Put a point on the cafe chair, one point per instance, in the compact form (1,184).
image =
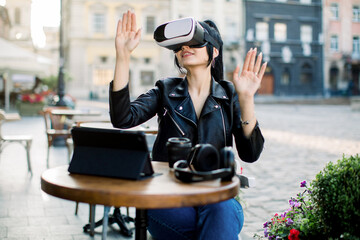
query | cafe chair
(55,128)
(24,140)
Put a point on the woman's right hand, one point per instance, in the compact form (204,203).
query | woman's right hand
(127,36)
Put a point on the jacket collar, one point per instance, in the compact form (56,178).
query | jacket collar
(181,90)
(185,107)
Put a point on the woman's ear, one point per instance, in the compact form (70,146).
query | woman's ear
(215,53)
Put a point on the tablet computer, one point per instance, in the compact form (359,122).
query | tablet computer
(110,153)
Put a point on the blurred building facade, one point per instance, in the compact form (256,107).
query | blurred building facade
(89,33)
(20,19)
(20,61)
(289,33)
(18,31)
(342,47)
(4,23)
(312,46)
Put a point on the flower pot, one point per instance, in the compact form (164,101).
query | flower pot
(29,109)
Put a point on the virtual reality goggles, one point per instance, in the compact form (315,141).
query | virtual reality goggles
(183,32)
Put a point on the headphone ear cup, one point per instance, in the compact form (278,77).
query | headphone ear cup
(206,158)
(227,160)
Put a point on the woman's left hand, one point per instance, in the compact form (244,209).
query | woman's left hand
(248,82)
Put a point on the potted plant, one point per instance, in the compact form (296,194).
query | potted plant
(30,104)
(327,208)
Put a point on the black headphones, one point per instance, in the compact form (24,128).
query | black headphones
(205,162)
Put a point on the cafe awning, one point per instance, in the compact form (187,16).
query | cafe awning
(15,60)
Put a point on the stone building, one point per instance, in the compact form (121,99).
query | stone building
(4,23)
(289,33)
(20,20)
(89,33)
(342,47)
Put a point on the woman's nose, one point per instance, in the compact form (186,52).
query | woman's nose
(184,47)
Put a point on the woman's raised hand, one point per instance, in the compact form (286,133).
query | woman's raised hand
(248,82)
(127,36)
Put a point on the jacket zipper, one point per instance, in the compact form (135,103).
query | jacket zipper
(177,125)
(223,121)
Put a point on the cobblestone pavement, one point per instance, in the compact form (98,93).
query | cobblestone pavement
(300,140)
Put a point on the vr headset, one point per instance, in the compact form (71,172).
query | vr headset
(183,32)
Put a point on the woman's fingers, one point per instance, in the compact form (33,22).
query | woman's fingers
(252,63)
(133,22)
(128,23)
(247,60)
(252,60)
(124,21)
(258,64)
(236,72)
(119,27)
(262,70)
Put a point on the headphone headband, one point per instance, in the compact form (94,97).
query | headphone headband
(198,161)
(195,176)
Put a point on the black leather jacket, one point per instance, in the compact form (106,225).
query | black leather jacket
(170,100)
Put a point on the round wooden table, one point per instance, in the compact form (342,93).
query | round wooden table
(161,191)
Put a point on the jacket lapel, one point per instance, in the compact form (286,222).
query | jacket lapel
(217,93)
(185,108)
(180,101)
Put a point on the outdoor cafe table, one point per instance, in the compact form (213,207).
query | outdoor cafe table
(75,112)
(67,115)
(161,191)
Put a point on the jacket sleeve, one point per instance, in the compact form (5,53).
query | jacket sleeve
(249,149)
(127,114)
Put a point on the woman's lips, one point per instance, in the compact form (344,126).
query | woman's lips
(186,54)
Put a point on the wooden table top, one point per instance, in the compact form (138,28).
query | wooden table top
(163,191)
(75,112)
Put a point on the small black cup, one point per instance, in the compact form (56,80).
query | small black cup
(178,149)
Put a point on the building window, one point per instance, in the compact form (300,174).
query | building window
(334,9)
(356,45)
(231,30)
(103,59)
(285,77)
(280,32)
(147,60)
(147,78)
(306,33)
(17,16)
(306,74)
(305,1)
(356,14)
(102,77)
(99,23)
(334,43)
(262,31)
(150,24)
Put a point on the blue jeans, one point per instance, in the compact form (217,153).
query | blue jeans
(217,221)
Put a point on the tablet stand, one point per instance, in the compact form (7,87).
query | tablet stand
(118,218)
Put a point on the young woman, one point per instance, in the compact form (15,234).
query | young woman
(203,107)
